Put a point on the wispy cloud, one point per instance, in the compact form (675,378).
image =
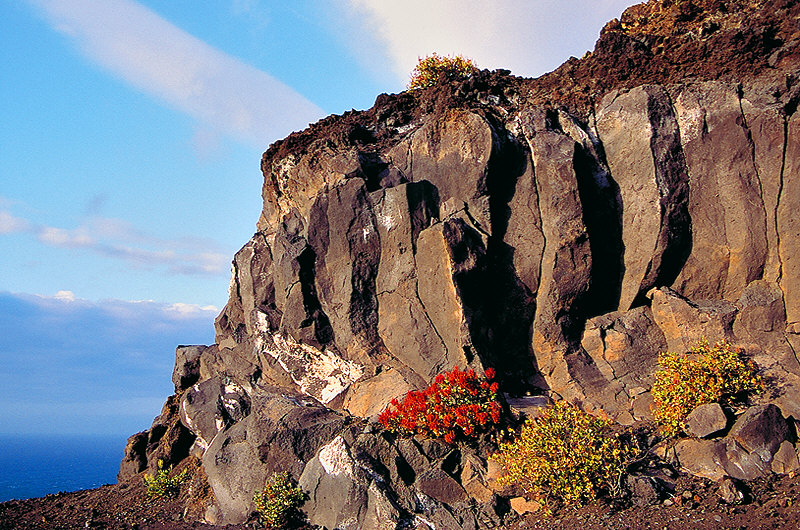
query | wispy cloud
(153,55)
(10,223)
(115,238)
(65,301)
(529,37)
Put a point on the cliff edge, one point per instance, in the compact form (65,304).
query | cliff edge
(562,230)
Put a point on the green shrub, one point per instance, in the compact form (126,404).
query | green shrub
(435,69)
(160,484)
(279,504)
(458,403)
(564,455)
(707,374)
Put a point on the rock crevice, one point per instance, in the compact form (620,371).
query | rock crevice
(563,230)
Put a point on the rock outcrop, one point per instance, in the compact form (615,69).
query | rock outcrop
(562,230)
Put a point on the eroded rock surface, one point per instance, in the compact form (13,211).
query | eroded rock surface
(515,237)
(563,230)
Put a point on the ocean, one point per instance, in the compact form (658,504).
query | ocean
(35,465)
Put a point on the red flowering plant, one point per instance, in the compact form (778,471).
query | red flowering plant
(458,403)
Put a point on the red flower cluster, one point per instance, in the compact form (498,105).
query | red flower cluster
(458,402)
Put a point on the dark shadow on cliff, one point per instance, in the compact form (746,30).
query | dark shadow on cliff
(510,305)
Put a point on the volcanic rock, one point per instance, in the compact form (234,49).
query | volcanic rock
(706,420)
(562,230)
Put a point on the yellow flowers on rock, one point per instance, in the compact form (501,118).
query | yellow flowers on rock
(564,455)
(160,484)
(706,374)
(435,69)
(278,505)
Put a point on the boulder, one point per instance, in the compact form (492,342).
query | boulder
(343,494)
(623,348)
(281,433)
(212,406)
(741,464)
(785,459)
(745,453)
(702,458)
(730,491)
(439,485)
(473,479)
(367,397)
(685,322)
(646,490)
(521,505)
(760,431)
(706,420)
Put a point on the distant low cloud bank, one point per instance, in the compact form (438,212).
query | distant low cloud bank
(81,366)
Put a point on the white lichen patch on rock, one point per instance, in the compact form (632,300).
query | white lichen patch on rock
(335,458)
(390,215)
(321,374)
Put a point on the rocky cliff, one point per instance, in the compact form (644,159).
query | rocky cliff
(562,230)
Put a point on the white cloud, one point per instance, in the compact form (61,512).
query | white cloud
(117,239)
(529,37)
(150,53)
(125,313)
(60,237)
(10,224)
(187,311)
(65,296)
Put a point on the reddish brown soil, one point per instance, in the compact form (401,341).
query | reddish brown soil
(773,503)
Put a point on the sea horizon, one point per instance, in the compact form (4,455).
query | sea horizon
(35,465)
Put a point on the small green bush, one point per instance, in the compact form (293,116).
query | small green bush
(435,69)
(565,455)
(706,374)
(160,484)
(279,504)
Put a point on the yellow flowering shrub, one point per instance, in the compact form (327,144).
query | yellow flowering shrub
(565,455)
(161,484)
(435,69)
(707,374)
(279,504)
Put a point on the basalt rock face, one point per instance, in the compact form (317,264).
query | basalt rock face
(564,253)
(562,230)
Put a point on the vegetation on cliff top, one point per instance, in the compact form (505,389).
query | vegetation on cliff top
(435,69)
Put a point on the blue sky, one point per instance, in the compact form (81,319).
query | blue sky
(130,140)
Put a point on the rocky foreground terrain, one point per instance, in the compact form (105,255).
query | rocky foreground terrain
(563,230)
